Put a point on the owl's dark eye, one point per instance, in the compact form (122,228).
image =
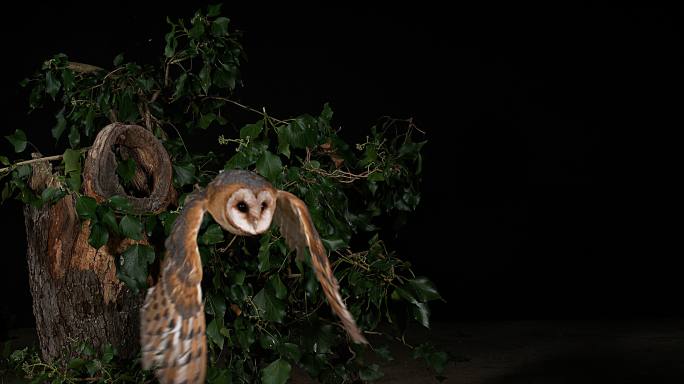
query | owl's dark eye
(263,205)
(242,207)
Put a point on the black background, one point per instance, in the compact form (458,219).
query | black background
(547,191)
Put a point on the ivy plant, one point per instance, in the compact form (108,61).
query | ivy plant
(265,311)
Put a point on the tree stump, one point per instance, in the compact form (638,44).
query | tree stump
(76,294)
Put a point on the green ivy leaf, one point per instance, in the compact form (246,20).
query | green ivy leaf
(126,170)
(213,235)
(184,174)
(131,227)
(419,310)
(220,26)
(218,376)
(438,361)
(237,277)
(206,120)
(290,351)
(4,160)
(118,59)
(334,244)
(244,331)
(93,366)
(51,195)
(59,128)
(269,166)
(278,372)
(180,86)
(147,83)
(52,85)
(205,78)
(302,132)
(384,353)
(68,78)
(433,358)
(251,130)
(98,235)
(108,218)
(132,266)
(6,192)
(73,181)
(371,373)
(197,29)
(214,10)
(214,334)
(267,341)
(270,307)
(18,140)
(120,203)
(88,122)
(326,114)
(318,337)
(23,171)
(77,364)
(283,140)
(85,207)
(167,219)
(108,353)
(171,43)
(264,255)
(425,290)
(238,161)
(150,224)
(36,96)
(225,77)
(74,137)
(72,161)
(411,148)
(127,110)
(216,305)
(277,286)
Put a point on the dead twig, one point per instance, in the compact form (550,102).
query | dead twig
(344,176)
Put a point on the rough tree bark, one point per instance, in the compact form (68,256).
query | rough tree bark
(76,294)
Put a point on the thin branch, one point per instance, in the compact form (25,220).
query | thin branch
(247,108)
(48,158)
(343,176)
(38,160)
(83,68)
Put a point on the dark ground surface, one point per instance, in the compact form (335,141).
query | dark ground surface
(649,351)
(549,352)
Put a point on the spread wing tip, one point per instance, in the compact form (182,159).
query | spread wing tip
(294,220)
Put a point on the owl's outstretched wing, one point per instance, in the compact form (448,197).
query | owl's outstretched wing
(172,326)
(293,218)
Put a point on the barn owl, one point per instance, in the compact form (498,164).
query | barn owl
(172,318)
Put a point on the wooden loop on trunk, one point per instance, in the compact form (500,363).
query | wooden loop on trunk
(152,179)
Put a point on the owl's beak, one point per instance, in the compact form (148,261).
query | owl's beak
(253,222)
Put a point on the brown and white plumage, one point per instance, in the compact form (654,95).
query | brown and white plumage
(172,318)
(172,323)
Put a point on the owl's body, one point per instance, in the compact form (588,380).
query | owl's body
(172,318)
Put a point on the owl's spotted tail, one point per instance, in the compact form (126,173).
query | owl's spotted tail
(172,345)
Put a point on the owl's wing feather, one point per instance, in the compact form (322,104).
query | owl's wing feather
(295,224)
(172,326)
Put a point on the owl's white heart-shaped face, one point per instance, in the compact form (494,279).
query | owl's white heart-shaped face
(242,202)
(249,213)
